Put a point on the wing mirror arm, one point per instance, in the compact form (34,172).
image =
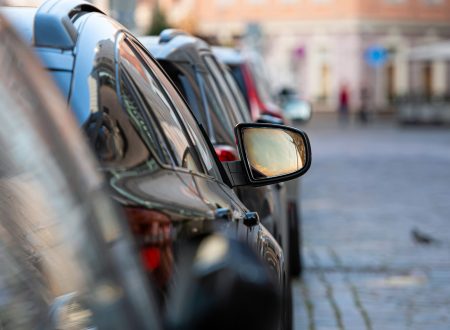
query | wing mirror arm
(236,173)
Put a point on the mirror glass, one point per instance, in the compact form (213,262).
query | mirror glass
(273,152)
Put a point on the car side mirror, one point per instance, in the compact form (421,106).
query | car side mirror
(269,119)
(269,154)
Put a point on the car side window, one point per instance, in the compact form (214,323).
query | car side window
(187,118)
(231,104)
(111,130)
(242,105)
(222,125)
(155,104)
(238,76)
(187,85)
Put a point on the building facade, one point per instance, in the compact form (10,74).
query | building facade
(319,46)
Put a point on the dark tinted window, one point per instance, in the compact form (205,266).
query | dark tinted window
(208,100)
(227,96)
(238,75)
(182,109)
(116,132)
(187,85)
(157,106)
(222,125)
(244,111)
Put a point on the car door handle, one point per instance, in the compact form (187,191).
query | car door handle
(251,219)
(223,213)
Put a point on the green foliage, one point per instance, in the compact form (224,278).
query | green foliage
(159,22)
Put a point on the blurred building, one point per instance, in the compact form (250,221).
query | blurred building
(180,13)
(318,46)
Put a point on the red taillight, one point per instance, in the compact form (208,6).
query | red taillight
(151,257)
(226,153)
(152,231)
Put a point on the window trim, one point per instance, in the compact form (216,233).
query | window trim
(164,165)
(136,47)
(229,98)
(149,121)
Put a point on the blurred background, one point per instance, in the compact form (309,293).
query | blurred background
(371,48)
(375,205)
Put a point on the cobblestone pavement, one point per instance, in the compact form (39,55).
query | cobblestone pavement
(369,189)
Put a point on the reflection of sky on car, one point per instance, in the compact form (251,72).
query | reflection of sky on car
(274,152)
(158,103)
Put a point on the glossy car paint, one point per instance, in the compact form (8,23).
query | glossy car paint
(239,63)
(62,243)
(187,56)
(189,61)
(188,199)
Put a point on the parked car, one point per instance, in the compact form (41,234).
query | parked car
(68,260)
(294,107)
(217,104)
(159,165)
(248,71)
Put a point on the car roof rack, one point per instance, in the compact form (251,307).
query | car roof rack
(53,25)
(168,34)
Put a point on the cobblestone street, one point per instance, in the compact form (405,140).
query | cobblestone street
(376,228)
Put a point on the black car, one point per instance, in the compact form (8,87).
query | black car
(215,99)
(247,69)
(216,102)
(160,167)
(67,258)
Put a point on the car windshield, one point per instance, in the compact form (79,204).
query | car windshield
(62,246)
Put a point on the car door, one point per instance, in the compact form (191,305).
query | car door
(181,117)
(210,180)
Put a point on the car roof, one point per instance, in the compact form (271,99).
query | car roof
(228,55)
(62,25)
(51,24)
(176,46)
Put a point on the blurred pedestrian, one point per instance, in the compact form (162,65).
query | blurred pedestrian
(343,103)
(363,113)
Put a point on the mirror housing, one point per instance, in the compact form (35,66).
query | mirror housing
(269,154)
(269,119)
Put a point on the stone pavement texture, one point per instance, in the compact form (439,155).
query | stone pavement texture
(369,189)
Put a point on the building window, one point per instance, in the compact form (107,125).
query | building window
(427,80)
(324,82)
(433,2)
(390,81)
